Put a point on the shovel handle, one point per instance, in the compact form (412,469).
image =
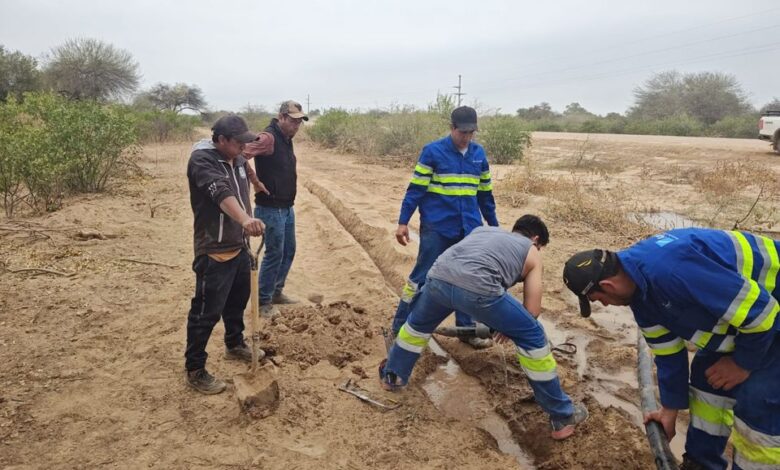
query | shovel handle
(254,279)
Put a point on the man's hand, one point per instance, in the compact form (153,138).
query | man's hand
(668,419)
(726,374)
(260,187)
(402,234)
(254,227)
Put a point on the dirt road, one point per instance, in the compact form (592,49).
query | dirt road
(92,354)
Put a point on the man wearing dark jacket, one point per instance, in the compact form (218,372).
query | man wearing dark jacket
(276,169)
(219,195)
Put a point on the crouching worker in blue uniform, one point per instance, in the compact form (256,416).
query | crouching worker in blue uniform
(718,290)
(473,276)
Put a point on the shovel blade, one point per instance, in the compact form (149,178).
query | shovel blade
(258,393)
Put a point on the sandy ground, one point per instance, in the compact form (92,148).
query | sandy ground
(92,371)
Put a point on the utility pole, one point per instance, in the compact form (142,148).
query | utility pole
(459,88)
(308,103)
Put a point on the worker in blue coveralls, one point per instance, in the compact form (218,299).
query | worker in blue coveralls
(452,188)
(719,291)
(474,275)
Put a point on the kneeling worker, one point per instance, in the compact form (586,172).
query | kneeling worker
(473,276)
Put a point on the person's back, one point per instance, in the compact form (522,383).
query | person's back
(488,261)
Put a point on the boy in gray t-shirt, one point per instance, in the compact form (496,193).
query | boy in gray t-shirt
(473,276)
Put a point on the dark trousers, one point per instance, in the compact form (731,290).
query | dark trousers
(221,290)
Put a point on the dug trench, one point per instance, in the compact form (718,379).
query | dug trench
(610,439)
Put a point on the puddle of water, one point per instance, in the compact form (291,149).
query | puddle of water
(462,397)
(666,220)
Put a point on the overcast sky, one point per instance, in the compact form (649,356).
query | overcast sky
(371,54)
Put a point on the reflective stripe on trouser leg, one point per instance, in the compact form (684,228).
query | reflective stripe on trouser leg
(408,291)
(411,340)
(711,416)
(540,369)
(754,450)
(408,346)
(710,413)
(538,364)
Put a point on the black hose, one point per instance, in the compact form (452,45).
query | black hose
(656,436)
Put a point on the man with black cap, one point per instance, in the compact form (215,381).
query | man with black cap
(452,188)
(719,291)
(219,195)
(275,164)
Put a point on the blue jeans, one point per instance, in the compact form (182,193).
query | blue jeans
(279,249)
(431,246)
(502,313)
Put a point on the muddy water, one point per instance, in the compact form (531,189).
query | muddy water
(462,397)
(667,220)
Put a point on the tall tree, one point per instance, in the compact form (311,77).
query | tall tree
(576,109)
(705,96)
(18,74)
(91,69)
(542,110)
(773,105)
(174,98)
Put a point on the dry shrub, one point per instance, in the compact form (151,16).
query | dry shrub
(572,200)
(740,192)
(605,211)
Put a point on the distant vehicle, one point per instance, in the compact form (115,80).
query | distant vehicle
(769,128)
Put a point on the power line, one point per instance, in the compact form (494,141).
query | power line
(459,94)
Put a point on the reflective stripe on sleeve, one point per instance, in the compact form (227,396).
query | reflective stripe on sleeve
(771,266)
(654,331)
(668,348)
(423,169)
(420,180)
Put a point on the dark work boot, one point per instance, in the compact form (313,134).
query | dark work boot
(242,352)
(281,299)
(690,464)
(204,382)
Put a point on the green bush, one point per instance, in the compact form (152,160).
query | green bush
(406,133)
(504,138)
(592,126)
(164,126)
(51,146)
(745,126)
(329,127)
(401,133)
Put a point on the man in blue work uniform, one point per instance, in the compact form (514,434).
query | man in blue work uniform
(719,291)
(451,186)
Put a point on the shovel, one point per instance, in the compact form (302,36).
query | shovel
(257,390)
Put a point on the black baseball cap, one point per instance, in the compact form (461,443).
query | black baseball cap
(464,119)
(583,271)
(233,126)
